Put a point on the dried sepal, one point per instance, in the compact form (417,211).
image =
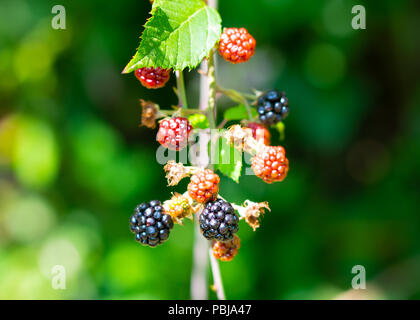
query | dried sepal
(149,113)
(251,212)
(242,139)
(176,171)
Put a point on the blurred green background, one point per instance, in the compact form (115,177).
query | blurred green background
(74,161)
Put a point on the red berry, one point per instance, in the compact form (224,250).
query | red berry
(260,132)
(204,186)
(226,251)
(236,45)
(173,133)
(153,78)
(271,164)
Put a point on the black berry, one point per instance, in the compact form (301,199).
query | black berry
(150,224)
(218,221)
(272,107)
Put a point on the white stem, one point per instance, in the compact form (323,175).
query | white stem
(217,277)
(199,281)
(199,275)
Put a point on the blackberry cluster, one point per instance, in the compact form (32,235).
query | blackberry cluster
(150,225)
(218,221)
(272,107)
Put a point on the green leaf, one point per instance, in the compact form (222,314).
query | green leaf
(239,112)
(179,34)
(229,160)
(198,121)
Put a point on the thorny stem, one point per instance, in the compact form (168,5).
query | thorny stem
(180,84)
(211,79)
(199,273)
(218,284)
(199,280)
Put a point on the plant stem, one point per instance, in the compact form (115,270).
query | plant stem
(208,103)
(199,274)
(180,84)
(217,277)
(211,108)
(229,92)
(237,97)
(211,80)
(199,281)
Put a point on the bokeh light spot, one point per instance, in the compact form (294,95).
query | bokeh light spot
(59,251)
(28,218)
(36,154)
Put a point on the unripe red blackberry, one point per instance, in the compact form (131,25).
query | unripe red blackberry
(270,164)
(272,107)
(204,186)
(153,78)
(150,224)
(173,133)
(236,45)
(226,251)
(218,221)
(260,132)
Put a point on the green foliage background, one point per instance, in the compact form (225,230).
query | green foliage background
(74,163)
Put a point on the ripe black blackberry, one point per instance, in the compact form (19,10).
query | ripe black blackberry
(272,107)
(218,221)
(150,225)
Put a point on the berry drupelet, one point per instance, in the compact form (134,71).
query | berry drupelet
(270,164)
(236,45)
(204,186)
(218,221)
(153,78)
(150,224)
(272,107)
(173,133)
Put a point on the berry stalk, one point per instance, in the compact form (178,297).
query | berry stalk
(180,85)
(238,97)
